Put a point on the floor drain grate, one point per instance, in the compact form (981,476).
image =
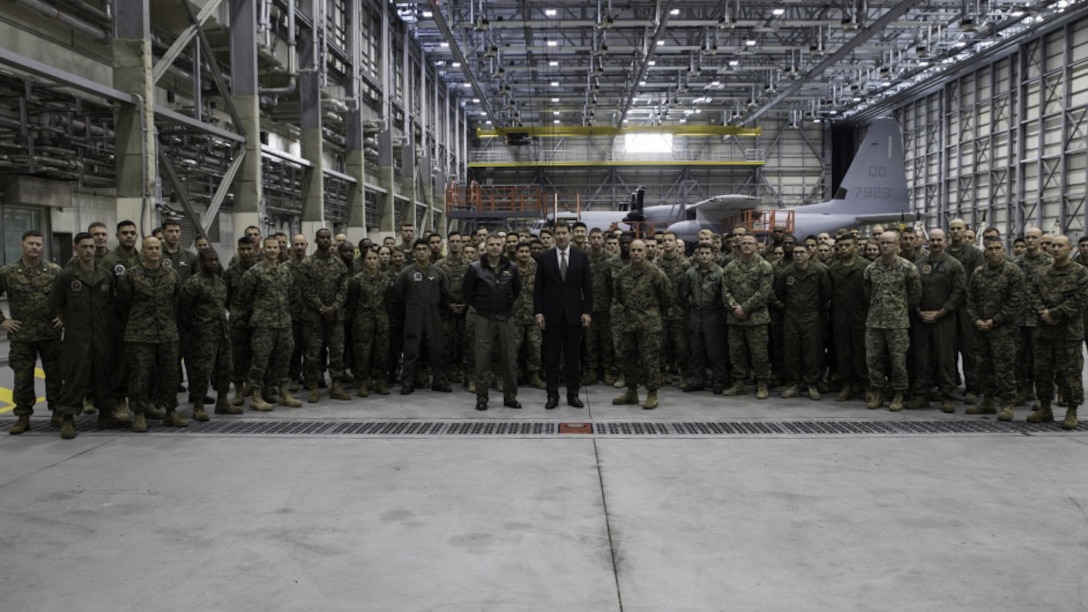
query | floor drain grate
(477,428)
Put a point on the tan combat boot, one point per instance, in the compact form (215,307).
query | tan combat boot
(312,394)
(630,396)
(762,392)
(844,394)
(1070,421)
(21,425)
(199,413)
(608,378)
(873,399)
(791,391)
(814,393)
(535,381)
(1006,412)
(738,388)
(173,420)
(56,420)
(651,400)
(362,387)
(257,402)
(947,406)
(223,406)
(986,406)
(897,402)
(68,427)
(620,382)
(337,393)
(1043,415)
(380,387)
(286,399)
(139,423)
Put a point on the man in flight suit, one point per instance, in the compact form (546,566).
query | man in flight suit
(421,289)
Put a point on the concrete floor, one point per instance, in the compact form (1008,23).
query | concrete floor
(175,520)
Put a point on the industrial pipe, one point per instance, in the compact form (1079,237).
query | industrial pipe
(73,22)
(292,58)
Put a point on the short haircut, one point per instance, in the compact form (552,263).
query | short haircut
(166,224)
(408,225)
(560,224)
(452,234)
(125,223)
(29,233)
(1083,239)
(251,227)
(207,253)
(364,244)
(96,224)
(595,230)
(545,231)
(578,224)
(84,235)
(245,240)
(420,241)
(523,244)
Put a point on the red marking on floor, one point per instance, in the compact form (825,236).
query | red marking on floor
(575,428)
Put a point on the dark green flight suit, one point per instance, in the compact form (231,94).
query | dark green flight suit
(805,295)
(944,285)
(116,263)
(84,301)
(422,292)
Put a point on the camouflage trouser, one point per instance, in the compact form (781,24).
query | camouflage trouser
(369,337)
(935,356)
(1025,368)
(242,356)
(776,342)
(147,363)
(271,351)
(996,362)
(675,345)
(640,358)
(615,318)
(209,359)
(804,349)
(748,352)
(22,356)
(849,337)
(600,353)
(294,364)
(529,336)
(967,345)
(454,334)
(1059,361)
(468,361)
(316,336)
(887,346)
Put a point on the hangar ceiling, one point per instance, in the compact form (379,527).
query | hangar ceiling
(625,64)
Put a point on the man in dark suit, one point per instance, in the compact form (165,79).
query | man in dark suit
(562,300)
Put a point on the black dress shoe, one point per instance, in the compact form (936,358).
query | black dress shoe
(512,403)
(407,389)
(481,403)
(553,402)
(442,387)
(574,402)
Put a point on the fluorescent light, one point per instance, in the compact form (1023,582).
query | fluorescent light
(443,44)
(427,14)
(555,100)
(553,43)
(476,100)
(660,43)
(734,63)
(778,12)
(674,12)
(551,12)
(750,43)
(553,63)
(652,63)
(456,64)
(555,83)
(642,83)
(555,121)
(556,113)
(468,85)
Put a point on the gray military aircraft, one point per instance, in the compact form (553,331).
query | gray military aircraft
(874,190)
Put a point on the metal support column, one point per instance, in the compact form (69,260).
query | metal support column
(309,90)
(246,187)
(387,203)
(355,165)
(135,126)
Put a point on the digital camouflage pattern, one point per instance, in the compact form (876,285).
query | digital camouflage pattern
(701,295)
(320,282)
(1033,267)
(997,293)
(202,313)
(28,291)
(457,341)
(369,325)
(1062,292)
(147,302)
(645,293)
(750,285)
(893,292)
(265,297)
(526,331)
(239,330)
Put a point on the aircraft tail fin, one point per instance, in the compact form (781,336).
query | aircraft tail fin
(876,181)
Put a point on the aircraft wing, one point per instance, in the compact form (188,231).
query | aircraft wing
(719,209)
(888,218)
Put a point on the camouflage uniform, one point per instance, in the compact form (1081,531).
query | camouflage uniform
(184,263)
(366,310)
(805,295)
(701,292)
(265,302)
(1084,307)
(749,284)
(645,293)
(117,262)
(893,292)
(28,296)
(944,285)
(615,314)
(1033,268)
(600,353)
(322,282)
(997,292)
(675,338)
(202,313)
(1058,359)
(849,308)
(84,301)
(295,307)
(241,351)
(526,331)
(455,337)
(970,257)
(147,300)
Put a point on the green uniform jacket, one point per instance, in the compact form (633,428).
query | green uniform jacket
(146,301)
(1062,291)
(454,268)
(600,272)
(202,306)
(233,278)
(183,262)
(944,284)
(84,301)
(848,286)
(645,293)
(996,292)
(522,313)
(969,256)
(322,282)
(117,263)
(893,292)
(749,285)
(805,294)
(366,296)
(674,269)
(28,296)
(701,289)
(1033,269)
(266,296)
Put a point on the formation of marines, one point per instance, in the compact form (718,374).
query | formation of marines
(812,316)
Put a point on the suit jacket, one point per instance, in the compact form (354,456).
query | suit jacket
(559,300)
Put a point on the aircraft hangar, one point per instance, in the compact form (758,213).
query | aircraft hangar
(364,116)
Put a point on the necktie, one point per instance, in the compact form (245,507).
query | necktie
(563,265)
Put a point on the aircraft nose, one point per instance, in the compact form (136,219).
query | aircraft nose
(688,231)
